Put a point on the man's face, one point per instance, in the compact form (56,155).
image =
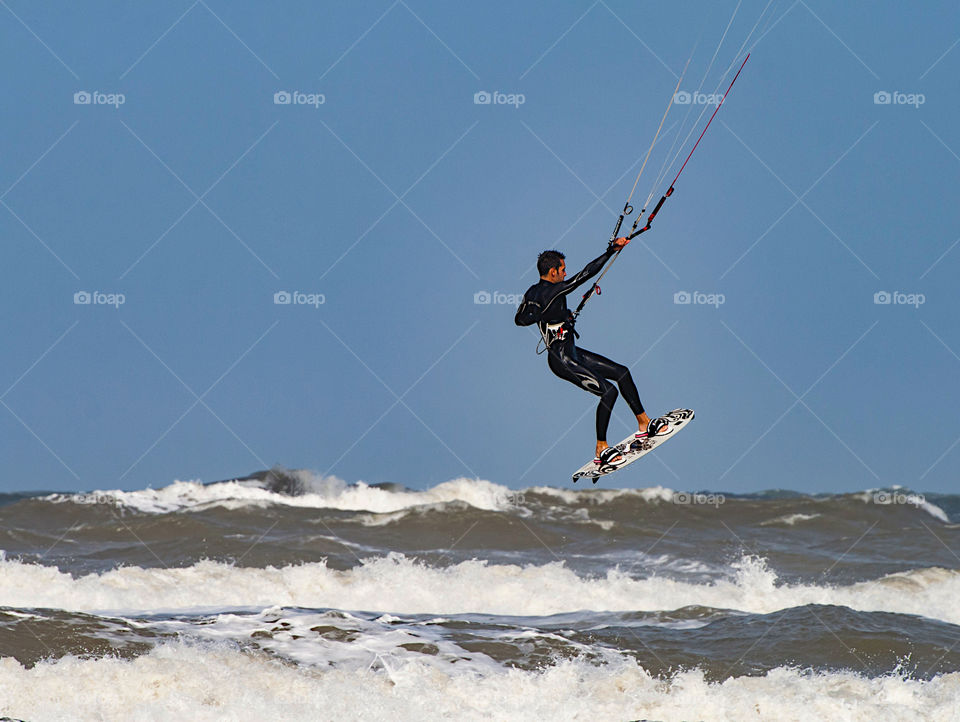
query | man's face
(555,275)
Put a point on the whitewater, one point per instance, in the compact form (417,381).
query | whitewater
(296,596)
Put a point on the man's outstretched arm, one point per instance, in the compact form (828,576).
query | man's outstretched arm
(590,270)
(530,312)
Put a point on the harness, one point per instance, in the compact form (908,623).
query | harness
(550,333)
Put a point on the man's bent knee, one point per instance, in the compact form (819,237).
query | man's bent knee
(609,396)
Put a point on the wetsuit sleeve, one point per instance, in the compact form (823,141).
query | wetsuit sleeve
(528,313)
(589,271)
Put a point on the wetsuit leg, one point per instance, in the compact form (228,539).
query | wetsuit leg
(570,367)
(615,372)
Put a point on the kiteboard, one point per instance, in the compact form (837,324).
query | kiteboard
(632,448)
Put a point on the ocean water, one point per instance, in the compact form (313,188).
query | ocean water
(285,595)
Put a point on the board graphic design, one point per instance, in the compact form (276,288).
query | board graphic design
(632,448)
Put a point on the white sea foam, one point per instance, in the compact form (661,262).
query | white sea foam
(789,519)
(215,682)
(935,511)
(330,492)
(399,584)
(895,497)
(603,496)
(319,493)
(343,640)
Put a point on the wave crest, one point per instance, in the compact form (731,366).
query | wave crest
(397,583)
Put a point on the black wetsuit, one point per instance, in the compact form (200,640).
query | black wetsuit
(545,304)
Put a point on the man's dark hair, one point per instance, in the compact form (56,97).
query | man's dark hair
(548,260)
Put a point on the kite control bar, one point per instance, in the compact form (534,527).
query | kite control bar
(634,232)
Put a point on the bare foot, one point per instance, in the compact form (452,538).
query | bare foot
(603,446)
(643,421)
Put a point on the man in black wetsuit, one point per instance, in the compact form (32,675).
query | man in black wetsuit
(545,303)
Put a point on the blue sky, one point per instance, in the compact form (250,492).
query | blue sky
(388,198)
